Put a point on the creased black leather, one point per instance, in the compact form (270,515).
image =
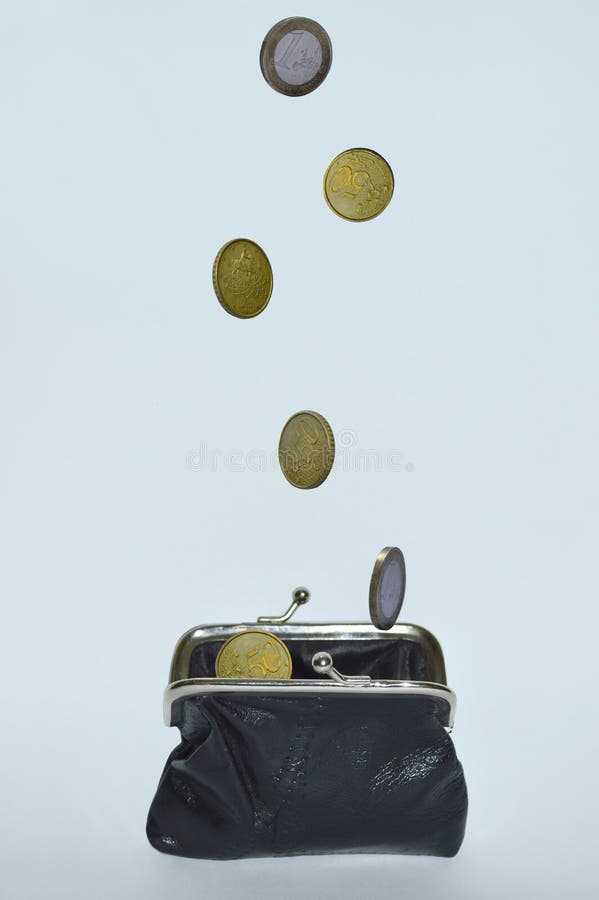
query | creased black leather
(300,774)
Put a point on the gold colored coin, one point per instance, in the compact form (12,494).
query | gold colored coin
(306,449)
(254,654)
(358,184)
(242,278)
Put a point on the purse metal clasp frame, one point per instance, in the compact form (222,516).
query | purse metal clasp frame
(181,686)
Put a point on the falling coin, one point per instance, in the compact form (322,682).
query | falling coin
(387,587)
(358,184)
(254,654)
(296,56)
(242,278)
(306,449)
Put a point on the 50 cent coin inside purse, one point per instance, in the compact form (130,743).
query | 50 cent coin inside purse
(254,654)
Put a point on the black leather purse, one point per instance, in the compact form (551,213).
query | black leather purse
(323,762)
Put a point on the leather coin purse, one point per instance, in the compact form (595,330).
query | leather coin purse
(351,754)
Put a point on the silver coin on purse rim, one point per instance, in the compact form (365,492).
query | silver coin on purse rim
(296,56)
(387,587)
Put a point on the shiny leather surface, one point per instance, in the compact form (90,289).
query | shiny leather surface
(397,659)
(268,776)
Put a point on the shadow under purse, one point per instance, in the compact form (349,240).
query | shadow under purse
(316,763)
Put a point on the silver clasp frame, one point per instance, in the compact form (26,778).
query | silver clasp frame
(299,596)
(322,663)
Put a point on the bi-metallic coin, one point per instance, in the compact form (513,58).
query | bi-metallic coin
(295,56)
(387,587)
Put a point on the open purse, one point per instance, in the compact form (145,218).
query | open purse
(321,762)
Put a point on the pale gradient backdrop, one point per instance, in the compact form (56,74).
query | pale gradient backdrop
(451,343)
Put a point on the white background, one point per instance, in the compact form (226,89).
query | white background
(458,328)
